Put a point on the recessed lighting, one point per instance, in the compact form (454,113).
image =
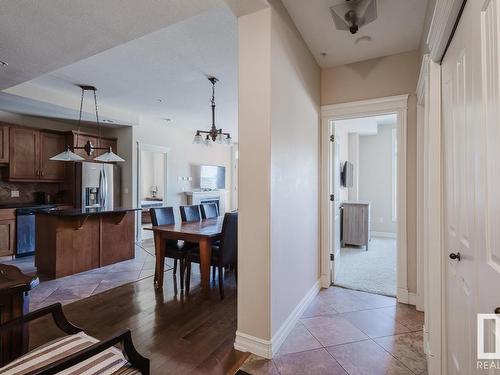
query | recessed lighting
(159,100)
(167,119)
(363,40)
(3,63)
(323,54)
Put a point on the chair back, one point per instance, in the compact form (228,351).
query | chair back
(162,216)
(229,239)
(209,210)
(190,213)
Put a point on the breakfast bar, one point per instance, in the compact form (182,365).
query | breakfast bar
(76,240)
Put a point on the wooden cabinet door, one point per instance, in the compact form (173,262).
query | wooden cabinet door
(4,144)
(51,144)
(7,237)
(106,142)
(80,140)
(23,154)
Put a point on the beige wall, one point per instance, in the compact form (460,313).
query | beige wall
(375,177)
(295,98)
(385,76)
(279,97)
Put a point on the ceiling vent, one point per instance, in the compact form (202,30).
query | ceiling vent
(352,14)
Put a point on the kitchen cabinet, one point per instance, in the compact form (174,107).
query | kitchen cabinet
(30,153)
(7,232)
(4,143)
(107,142)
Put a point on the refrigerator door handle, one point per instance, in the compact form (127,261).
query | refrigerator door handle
(102,187)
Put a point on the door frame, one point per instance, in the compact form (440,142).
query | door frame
(152,148)
(366,108)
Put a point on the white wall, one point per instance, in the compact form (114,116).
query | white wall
(152,173)
(278,244)
(375,177)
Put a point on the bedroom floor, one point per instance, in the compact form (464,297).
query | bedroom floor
(372,271)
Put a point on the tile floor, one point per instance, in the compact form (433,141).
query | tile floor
(76,287)
(350,332)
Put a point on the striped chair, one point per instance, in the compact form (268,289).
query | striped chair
(76,353)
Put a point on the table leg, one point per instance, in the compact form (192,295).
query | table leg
(205,260)
(160,261)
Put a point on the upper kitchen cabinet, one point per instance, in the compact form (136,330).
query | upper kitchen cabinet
(51,144)
(4,144)
(30,151)
(80,139)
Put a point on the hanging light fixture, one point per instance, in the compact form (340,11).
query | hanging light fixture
(69,155)
(213,135)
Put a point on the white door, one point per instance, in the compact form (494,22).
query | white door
(487,17)
(471,121)
(460,235)
(334,202)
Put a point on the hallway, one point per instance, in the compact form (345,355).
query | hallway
(350,332)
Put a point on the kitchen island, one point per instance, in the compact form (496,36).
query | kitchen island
(75,240)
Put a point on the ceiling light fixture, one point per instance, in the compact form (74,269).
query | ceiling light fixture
(214,134)
(69,155)
(352,14)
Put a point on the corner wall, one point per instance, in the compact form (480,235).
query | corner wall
(381,77)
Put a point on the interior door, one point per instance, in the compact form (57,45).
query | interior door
(334,203)
(460,121)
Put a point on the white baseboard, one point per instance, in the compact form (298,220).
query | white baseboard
(325,281)
(383,234)
(402,295)
(412,298)
(268,348)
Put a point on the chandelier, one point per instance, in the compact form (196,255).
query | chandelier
(69,155)
(214,134)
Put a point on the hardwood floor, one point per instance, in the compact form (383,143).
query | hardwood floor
(180,334)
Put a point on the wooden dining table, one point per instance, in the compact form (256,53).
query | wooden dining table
(203,232)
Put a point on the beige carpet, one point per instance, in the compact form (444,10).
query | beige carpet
(371,271)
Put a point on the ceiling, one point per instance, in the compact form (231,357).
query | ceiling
(37,37)
(161,75)
(397,29)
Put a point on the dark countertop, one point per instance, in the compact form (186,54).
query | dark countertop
(29,205)
(87,211)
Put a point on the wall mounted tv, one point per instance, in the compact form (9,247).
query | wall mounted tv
(212,177)
(347,174)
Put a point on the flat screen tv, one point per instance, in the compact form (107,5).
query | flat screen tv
(212,177)
(346,175)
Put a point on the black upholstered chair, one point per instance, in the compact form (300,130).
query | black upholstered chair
(190,213)
(173,249)
(209,210)
(224,254)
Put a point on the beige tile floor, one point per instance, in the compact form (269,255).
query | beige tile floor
(75,287)
(350,332)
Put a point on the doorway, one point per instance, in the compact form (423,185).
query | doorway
(367,157)
(152,172)
(334,195)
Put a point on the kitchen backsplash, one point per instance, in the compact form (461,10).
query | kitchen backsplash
(26,190)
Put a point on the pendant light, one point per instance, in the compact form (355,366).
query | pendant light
(69,155)
(214,134)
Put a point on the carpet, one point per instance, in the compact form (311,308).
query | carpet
(371,271)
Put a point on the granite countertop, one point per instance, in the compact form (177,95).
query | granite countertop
(87,211)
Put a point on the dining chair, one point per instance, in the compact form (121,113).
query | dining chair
(223,255)
(173,249)
(209,210)
(190,213)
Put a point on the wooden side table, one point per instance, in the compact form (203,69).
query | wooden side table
(14,302)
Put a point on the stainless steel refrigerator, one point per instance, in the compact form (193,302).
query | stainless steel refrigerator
(97,185)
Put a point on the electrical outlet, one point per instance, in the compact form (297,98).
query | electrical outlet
(14,193)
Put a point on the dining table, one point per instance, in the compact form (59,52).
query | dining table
(203,232)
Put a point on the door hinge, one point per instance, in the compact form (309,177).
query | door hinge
(332,197)
(332,138)
(332,257)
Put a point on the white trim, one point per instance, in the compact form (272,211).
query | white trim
(140,146)
(402,295)
(412,298)
(366,108)
(443,20)
(383,234)
(269,348)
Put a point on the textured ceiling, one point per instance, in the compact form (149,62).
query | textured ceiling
(39,36)
(397,29)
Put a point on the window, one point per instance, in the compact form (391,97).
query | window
(394,174)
